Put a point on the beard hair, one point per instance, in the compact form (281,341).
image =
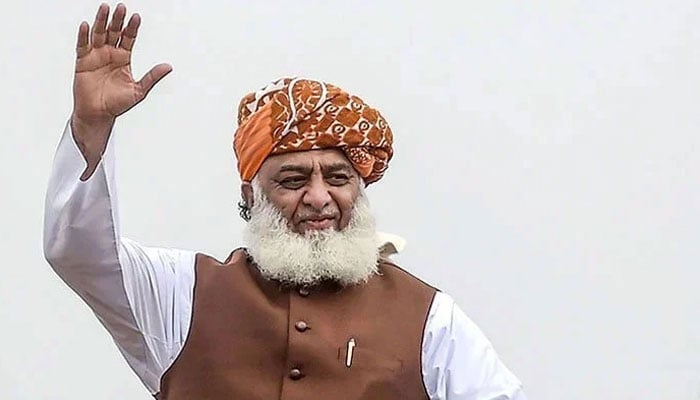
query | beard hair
(349,256)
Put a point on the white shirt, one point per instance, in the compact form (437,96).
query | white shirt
(143,295)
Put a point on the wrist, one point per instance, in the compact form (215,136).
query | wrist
(91,133)
(91,136)
(88,128)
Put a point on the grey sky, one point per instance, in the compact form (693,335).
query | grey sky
(546,172)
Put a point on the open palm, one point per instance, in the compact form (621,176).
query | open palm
(104,87)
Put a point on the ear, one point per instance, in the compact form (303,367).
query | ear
(247,193)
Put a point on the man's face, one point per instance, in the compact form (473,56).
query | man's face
(314,190)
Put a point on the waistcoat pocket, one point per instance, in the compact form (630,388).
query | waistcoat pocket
(369,359)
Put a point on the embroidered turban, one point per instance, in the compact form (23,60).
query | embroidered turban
(302,114)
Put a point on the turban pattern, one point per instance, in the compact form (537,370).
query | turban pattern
(300,114)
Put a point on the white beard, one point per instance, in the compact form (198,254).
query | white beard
(349,256)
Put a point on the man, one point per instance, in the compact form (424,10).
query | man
(310,308)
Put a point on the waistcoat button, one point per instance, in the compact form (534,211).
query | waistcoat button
(295,374)
(303,292)
(301,326)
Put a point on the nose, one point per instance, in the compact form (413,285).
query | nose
(317,195)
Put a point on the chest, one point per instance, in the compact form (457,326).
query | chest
(253,339)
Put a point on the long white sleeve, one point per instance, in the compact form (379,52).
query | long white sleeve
(459,363)
(142,295)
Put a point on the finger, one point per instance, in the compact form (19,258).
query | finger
(99,28)
(82,46)
(115,27)
(152,77)
(129,33)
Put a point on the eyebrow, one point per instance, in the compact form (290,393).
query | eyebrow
(295,168)
(326,169)
(336,167)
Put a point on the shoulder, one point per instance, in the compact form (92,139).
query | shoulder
(236,257)
(447,320)
(206,260)
(389,270)
(455,347)
(448,326)
(211,271)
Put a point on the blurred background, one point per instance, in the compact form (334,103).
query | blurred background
(546,172)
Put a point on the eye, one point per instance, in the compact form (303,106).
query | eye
(293,182)
(338,179)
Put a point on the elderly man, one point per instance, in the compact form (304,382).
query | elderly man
(310,308)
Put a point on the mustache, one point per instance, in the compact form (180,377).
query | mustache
(315,217)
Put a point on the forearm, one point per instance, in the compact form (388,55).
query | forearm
(80,220)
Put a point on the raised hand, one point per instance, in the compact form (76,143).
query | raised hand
(104,87)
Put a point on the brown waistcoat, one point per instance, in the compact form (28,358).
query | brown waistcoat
(252,338)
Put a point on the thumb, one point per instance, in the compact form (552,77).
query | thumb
(152,77)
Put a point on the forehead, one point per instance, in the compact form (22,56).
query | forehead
(307,159)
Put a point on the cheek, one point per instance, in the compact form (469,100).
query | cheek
(346,201)
(287,204)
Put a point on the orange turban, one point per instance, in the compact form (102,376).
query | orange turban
(301,114)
